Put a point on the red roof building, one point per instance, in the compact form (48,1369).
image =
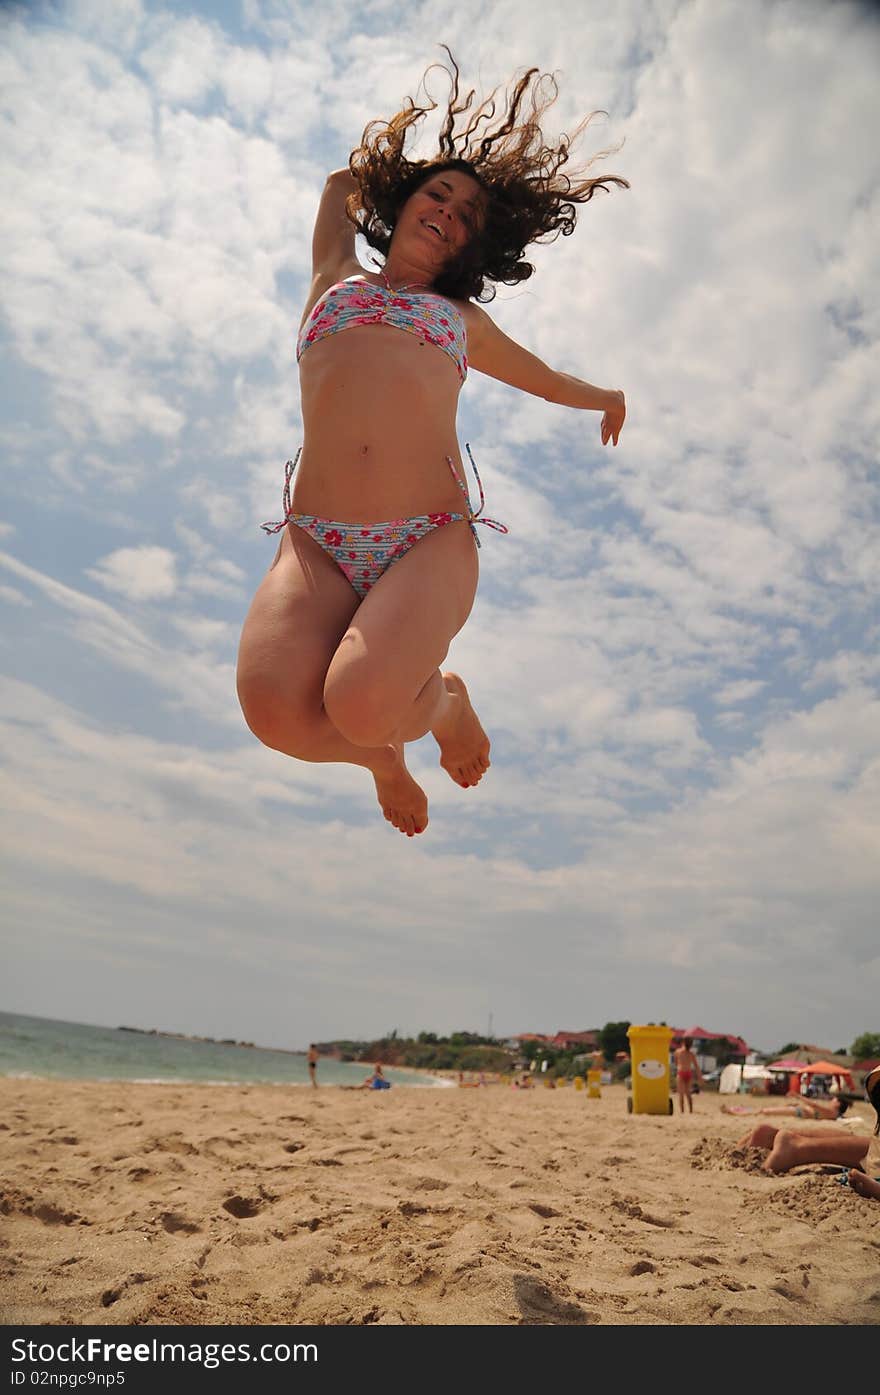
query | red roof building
(566,1041)
(737,1045)
(562,1041)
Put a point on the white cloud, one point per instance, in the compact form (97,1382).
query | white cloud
(183,60)
(140,573)
(12,596)
(741,691)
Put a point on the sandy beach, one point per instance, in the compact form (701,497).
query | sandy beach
(158,1204)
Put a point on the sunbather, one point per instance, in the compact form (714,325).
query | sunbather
(800,1108)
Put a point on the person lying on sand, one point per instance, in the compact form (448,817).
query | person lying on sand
(787,1148)
(796,1109)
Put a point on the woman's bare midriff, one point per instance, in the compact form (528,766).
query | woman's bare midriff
(379,410)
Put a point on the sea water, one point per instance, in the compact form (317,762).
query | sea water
(42,1048)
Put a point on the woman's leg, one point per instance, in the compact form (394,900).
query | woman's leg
(295,623)
(792,1149)
(384,684)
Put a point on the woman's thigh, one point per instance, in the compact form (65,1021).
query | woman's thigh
(296,620)
(401,632)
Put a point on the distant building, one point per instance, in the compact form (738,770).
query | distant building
(819,1053)
(575,1041)
(560,1041)
(699,1035)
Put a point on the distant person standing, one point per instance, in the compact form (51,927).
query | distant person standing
(687,1071)
(313,1065)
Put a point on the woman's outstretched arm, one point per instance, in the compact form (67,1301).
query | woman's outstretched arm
(492,352)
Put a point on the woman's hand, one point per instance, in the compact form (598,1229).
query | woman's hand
(614,417)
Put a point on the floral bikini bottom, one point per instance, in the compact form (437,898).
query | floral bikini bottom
(364,551)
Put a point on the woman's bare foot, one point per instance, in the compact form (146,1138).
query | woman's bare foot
(404,803)
(464,746)
(865,1186)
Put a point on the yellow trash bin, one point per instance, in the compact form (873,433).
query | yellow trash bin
(649,1076)
(594,1084)
(579,1082)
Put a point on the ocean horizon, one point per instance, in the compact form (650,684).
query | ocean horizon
(35,1048)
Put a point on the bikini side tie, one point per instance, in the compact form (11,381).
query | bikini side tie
(475,517)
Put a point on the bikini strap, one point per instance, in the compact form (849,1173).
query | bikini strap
(410,285)
(474,517)
(289,467)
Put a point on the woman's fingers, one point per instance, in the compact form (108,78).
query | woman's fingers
(607,431)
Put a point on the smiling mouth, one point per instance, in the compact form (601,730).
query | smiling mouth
(433,227)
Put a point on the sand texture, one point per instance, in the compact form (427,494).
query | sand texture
(162,1205)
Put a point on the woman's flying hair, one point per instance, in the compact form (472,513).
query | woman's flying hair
(530,197)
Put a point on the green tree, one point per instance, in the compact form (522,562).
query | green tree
(613,1038)
(866,1047)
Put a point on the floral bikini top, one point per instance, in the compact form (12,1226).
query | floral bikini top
(433,318)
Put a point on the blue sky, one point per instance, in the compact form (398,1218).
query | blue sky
(674,650)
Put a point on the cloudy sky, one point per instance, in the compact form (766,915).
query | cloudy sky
(675,650)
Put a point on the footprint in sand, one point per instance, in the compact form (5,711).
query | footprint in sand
(243,1207)
(172,1143)
(12,1201)
(632,1208)
(539,1306)
(53,1215)
(174,1223)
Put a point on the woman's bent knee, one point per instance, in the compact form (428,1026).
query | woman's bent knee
(364,707)
(277,723)
(361,715)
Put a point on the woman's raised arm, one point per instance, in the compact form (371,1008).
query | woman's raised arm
(333,237)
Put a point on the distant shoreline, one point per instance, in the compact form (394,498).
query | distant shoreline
(212,1041)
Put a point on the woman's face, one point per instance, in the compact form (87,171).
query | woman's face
(442,216)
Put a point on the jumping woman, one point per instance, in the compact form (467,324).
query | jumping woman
(377,569)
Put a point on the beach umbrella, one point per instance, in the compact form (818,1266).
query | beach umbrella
(829,1068)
